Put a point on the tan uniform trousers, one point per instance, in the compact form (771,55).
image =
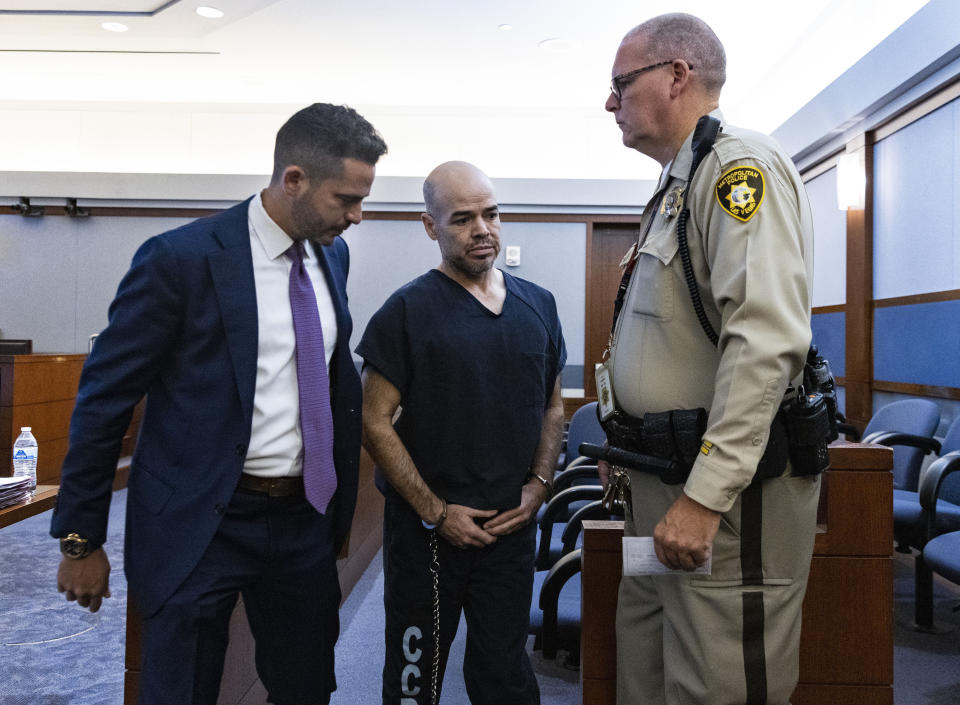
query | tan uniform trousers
(730,638)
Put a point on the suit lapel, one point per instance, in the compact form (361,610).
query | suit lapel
(231,269)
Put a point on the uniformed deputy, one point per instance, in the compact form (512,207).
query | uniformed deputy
(731,636)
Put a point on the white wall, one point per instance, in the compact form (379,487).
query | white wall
(238,139)
(385,254)
(58,275)
(830,241)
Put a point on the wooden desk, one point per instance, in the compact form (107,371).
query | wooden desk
(44,499)
(39,391)
(846,644)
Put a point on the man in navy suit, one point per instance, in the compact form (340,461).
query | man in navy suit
(203,324)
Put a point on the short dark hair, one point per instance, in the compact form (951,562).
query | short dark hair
(319,137)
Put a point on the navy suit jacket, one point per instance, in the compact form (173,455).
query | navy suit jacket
(183,330)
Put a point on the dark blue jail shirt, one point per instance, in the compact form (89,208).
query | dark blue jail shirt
(473,384)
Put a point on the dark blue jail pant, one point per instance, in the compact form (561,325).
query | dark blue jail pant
(492,586)
(278,553)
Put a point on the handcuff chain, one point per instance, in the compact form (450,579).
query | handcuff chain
(435,575)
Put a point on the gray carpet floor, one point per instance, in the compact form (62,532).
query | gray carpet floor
(54,653)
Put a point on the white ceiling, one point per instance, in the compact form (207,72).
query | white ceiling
(446,57)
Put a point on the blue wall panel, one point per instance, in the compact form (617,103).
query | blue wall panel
(918,344)
(829,335)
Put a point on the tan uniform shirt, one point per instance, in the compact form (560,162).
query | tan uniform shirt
(750,235)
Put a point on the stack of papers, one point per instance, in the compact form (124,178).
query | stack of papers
(14,490)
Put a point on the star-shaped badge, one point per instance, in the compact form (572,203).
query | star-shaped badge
(741,195)
(740,191)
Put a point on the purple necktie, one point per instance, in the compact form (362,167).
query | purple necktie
(316,419)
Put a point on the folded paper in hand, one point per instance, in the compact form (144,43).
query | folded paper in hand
(640,558)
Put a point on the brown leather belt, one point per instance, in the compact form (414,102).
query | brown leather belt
(272,486)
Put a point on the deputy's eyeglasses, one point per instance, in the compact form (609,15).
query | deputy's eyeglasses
(621,81)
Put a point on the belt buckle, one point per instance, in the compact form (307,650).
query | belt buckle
(276,487)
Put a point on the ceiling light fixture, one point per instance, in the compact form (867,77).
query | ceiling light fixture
(114,27)
(556,45)
(504,27)
(209,12)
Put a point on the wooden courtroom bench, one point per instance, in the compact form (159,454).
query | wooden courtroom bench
(846,644)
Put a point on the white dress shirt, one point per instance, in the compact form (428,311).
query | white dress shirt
(276,444)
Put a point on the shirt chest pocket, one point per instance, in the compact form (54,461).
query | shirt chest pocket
(654,282)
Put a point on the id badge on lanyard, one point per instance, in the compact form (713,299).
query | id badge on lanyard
(605,401)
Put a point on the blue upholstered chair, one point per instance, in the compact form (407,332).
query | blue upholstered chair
(582,472)
(942,555)
(584,428)
(573,470)
(555,612)
(939,499)
(554,519)
(909,519)
(908,427)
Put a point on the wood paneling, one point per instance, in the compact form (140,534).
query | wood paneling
(847,634)
(39,391)
(131,212)
(846,646)
(598,691)
(49,418)
(602,561)
(859,305)
(860,477)
(917,390)
(38,378)
(606,246)
(239,673)
(931,297)
(809,694)
(366,532)
(140,212)
(835,308)
(571,404)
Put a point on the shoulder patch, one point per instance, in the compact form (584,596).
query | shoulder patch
(740,192)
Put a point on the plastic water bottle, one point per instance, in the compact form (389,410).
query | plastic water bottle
(25,457)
